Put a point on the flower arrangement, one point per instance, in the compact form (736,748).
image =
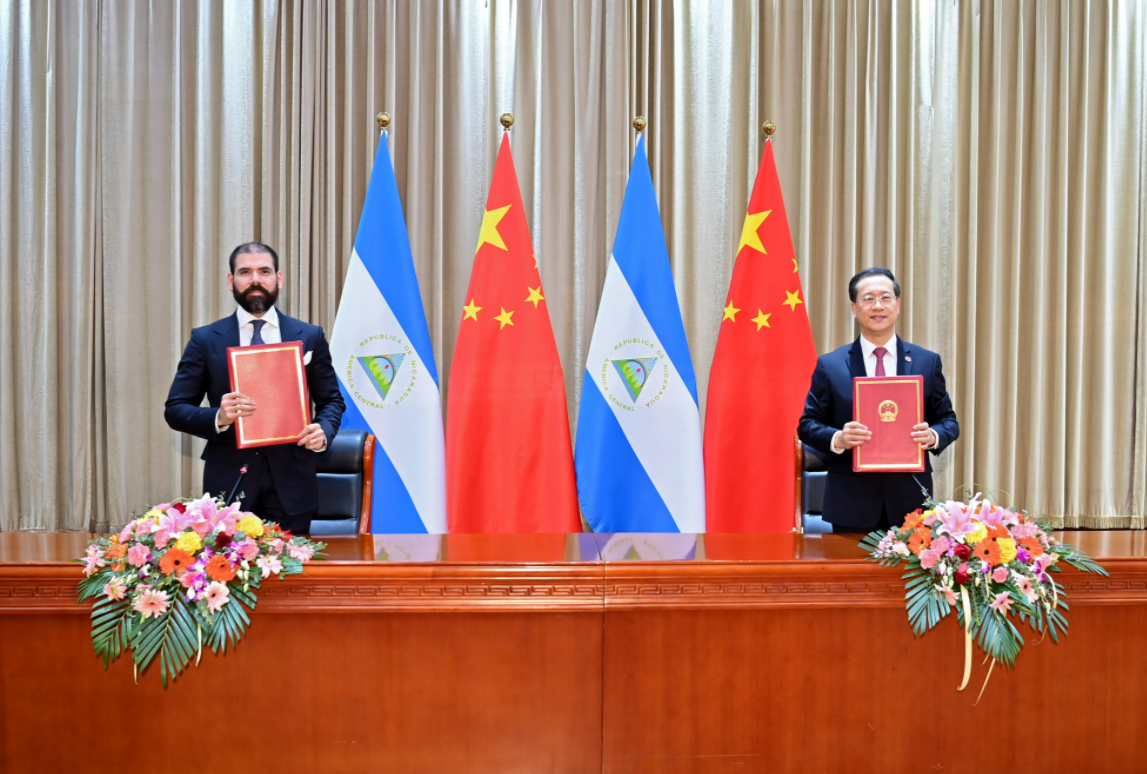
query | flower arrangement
(990,563)
(180,575)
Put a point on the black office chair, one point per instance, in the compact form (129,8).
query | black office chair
(810,485)
(346,481)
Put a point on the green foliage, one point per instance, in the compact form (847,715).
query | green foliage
(93,585)
(111,628)
(230,622)
(926,605)
(174,637)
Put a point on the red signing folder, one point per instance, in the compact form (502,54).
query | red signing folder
(272,375)
(888,406)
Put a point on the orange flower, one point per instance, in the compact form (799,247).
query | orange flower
(1033,546)
(175,561)
(219,569)
(921,539)
(913,520)
(117,550)
(987,550)
(998,531)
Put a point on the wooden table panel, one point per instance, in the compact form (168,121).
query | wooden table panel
(415,692)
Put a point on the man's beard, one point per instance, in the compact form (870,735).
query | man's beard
(256,303)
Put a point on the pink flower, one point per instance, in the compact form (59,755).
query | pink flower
(216,596)
(138,555)
(93,562)
(955,519)
(161,537)
(143,526)
(115,589)
(1043,561)
(991,515)
(127,532)
(276,545)
(1026,588)
(1000,575)
(304,553)
(270,565)
(949,595)
(150,602)
(941,544)
(1002,603)
(1027,529)
(249,549)
(930,519)
(928,558)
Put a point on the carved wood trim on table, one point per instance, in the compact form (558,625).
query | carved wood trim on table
(831,584)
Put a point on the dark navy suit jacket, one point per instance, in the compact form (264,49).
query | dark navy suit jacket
(203,372)
(856,500)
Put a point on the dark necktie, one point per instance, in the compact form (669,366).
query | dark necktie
(257,336)
(880,352)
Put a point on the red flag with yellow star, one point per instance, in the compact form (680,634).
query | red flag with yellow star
(509,462)
(761,373)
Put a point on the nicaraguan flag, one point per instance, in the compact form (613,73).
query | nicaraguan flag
(638,454)
(381,351)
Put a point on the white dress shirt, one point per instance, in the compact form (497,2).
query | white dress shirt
(271,332)
(868,350)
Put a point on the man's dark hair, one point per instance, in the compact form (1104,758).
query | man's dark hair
(259,247)
(875,271)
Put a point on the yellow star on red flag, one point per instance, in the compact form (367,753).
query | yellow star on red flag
(504,318)
(489,233)
(730,313)
(793,299)
(749,235)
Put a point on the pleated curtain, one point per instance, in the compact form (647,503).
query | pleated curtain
(991,153)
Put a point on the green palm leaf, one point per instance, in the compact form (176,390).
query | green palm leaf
(172,636)
(111,621)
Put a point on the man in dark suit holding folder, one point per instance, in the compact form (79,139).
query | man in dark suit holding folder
(280,484)
(861,502)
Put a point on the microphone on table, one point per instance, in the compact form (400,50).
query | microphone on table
(235,489)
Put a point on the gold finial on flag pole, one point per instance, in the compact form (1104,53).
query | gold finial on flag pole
(768,127)
(639,123)
(383,121)
(507,121)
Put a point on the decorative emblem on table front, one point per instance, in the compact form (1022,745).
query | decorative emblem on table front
(888,410)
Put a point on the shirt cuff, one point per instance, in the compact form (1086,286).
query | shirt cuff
(218,429)
(836,447)
(935,439)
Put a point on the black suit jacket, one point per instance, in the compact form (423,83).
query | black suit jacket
(856,500)
(203,372)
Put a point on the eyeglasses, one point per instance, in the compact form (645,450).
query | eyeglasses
(885,300)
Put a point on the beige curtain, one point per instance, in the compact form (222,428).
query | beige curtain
(991,153)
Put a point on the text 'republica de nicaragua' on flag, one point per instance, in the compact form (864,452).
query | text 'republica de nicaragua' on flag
(761,372)
(638,456)
(508,458)
(382,354)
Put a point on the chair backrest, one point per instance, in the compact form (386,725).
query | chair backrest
(346,479)
(813,476)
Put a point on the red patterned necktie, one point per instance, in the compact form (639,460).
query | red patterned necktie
(880,352)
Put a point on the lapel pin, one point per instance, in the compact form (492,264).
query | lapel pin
(908,358)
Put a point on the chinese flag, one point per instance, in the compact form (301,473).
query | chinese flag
(761,373)
(509,463)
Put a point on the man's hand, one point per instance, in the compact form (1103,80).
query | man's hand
(923,436)
(233,406)
(313,437)
(854,434)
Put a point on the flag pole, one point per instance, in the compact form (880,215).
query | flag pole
(768,127)
(507,120)
(383,121)
(639,124)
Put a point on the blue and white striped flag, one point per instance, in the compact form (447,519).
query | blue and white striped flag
(638,455)
(381,350)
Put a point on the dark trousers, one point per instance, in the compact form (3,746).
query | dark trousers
(258,494)
(883,523)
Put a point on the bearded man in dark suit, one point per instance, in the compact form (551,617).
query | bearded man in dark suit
(280,484)
(861,502)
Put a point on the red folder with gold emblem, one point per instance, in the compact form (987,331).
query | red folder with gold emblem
(888,406)
(272,375)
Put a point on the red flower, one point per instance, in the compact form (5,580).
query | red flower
(222,541)
(219,569)
(963,552)
(180,507)
(962,574)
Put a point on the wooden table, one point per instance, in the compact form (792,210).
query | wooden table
(578,653)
